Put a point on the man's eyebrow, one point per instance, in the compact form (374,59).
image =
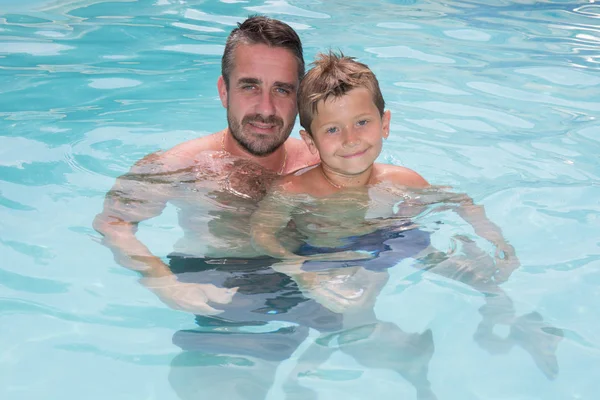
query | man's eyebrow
(246,81)
(285,85)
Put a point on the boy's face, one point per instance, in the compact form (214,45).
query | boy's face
(347,132)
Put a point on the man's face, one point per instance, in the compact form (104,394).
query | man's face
(261,100)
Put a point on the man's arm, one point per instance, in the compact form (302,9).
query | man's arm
(474,214)
(142,194)
(136,196)
(139,195)
(505,255)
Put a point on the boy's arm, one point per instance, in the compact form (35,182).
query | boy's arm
(273,216)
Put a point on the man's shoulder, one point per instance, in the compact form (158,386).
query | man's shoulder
(192,148)
(400,176)
(180,156)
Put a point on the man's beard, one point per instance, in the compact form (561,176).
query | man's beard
(259,145)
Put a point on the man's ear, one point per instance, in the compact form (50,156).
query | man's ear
(385,124)
(222,91)
(310,143)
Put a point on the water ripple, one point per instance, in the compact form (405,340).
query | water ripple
(497,98)
(30,284)
(561,76)
(497,117)
(34,48)
(407,52)
(284,8)
(516,94)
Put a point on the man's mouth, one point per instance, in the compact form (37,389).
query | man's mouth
(262,125)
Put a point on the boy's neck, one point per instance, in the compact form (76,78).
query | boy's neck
(341,181)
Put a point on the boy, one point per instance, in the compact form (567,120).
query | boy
(351,226)
(343,206)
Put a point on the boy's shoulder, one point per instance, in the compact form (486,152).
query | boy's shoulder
(398,175)
(299,182)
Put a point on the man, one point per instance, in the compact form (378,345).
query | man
(261,69)
(215,182)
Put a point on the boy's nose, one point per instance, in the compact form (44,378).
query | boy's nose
(351,139)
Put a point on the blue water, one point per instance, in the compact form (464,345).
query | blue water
(499,99)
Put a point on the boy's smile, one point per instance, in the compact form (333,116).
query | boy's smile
(360,153)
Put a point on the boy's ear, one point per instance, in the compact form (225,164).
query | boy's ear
(310,143)
(385,124)
(222,91)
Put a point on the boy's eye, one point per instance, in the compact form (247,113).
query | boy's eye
(331,130)
(362,122)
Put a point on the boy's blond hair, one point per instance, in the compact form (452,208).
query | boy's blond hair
(334,75)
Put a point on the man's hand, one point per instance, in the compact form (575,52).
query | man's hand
(190,297)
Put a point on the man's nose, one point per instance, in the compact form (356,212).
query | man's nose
(266,105)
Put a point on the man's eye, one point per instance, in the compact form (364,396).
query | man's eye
(248,87)
(282,91)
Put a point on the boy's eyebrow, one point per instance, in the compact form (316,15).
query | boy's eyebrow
(335,121)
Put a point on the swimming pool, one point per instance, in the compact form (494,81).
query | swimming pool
(499,99)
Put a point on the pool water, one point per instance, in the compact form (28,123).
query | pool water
(499,99)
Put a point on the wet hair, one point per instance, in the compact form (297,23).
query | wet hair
(334,75)
(258,29)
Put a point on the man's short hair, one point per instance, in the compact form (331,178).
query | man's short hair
(334,75)
(258,29)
